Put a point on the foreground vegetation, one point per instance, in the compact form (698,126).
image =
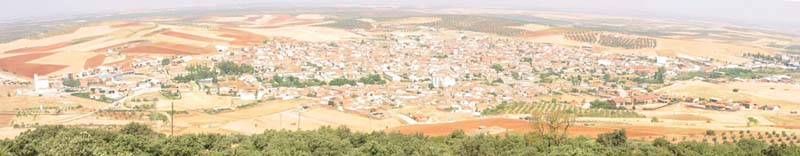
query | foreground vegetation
(136,139)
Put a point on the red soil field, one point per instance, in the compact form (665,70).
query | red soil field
(126,25)
(17,65)
(168,48)
(467,126)
(522,126)
(94,61)
(40,48)
(242,38)
(191,37)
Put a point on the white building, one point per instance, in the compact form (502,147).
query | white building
(40,84)
(443,81)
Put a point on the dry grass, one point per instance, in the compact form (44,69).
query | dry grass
(306,33)
(760,93)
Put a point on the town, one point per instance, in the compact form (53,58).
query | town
(409,78)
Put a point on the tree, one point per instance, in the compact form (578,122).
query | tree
(710,133)
(602,104)
(615,138)
(72,83)
(137,130)
(751,121)
(372,79)
(659,75)
(661,142)
(553,124)
(165,61)
(498,68)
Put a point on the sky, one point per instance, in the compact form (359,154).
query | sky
(779,13)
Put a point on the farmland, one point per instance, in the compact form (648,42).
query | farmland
(492,25)
(621,41)
(426,72)
(527,108)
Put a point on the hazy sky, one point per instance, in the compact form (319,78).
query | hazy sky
(782,13)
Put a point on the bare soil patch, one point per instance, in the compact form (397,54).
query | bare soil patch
(19,66)
(95,61)
(522,126)
(242,37)
(5,119)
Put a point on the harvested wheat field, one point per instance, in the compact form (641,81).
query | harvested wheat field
(163,48)
(199,121)
(118,45)
(306,33)
(196,101)
(58,40)
(10,104)
(311,119)
(760,93)
(685,117)
(700,49)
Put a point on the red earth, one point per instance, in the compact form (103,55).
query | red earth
(242,38)
(18,65)
(94,61)
(5,118)
(522,126)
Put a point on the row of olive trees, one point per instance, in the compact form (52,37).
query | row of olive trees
(136,139)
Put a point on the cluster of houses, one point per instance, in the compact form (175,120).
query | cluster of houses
(466,74)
